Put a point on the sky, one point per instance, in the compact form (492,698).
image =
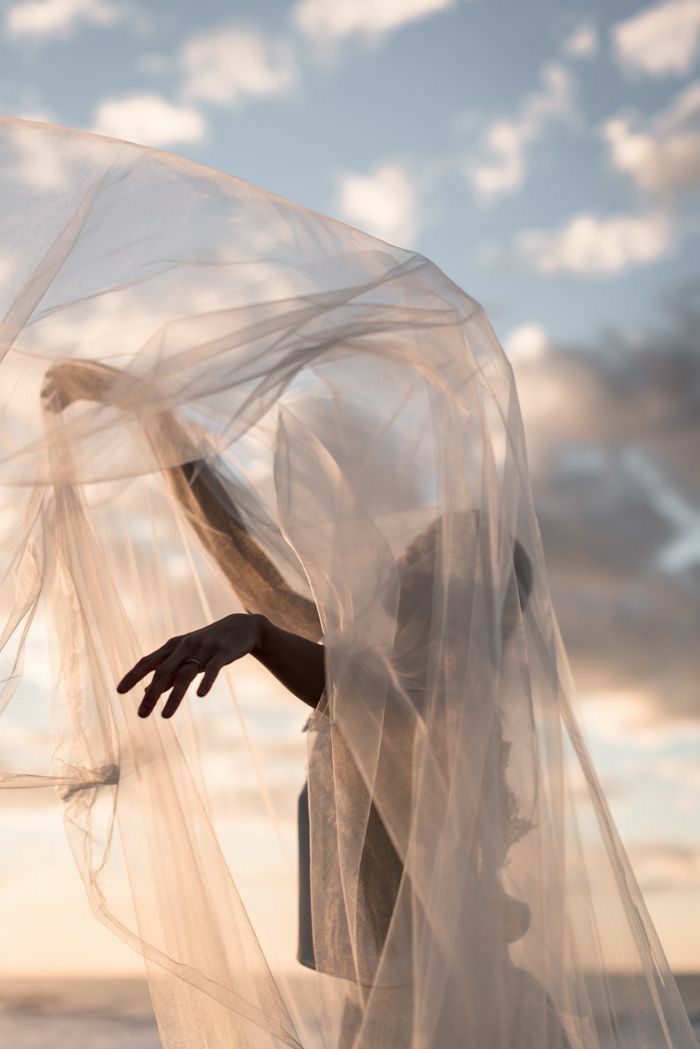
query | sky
(547,158)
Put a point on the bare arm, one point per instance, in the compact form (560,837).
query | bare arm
(200,492)
(290,654)
(218,525)
(295,661)
(258,583)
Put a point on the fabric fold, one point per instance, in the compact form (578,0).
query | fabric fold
(216,400)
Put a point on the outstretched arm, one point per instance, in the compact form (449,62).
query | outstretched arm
(289,652)
(295,661)
(299,664)
(218,525)
(286,647)
(208,506)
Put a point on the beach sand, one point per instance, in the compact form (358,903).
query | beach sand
(116,1013)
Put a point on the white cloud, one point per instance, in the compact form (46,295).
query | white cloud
(682,552)
(661,154)
(51,163)
(591,245)
(149,120)
(43,17)
(662,867)
(582,43)
(506,140)
(372,18)
(632,718)
(226,64)
(661,40)
(528,342)
(383,203)
(681,772)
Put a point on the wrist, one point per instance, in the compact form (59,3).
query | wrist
(261,630)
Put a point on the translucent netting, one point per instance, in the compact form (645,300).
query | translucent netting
(274,412)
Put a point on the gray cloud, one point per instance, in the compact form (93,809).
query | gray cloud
(611,430)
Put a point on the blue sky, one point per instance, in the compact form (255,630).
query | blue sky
(514,147)
(547,157)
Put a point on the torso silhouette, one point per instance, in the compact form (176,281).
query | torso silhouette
(381,882)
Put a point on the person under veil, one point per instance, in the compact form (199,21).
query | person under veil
(281,629)
(311,451)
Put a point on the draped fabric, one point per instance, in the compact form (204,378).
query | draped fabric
(266,410)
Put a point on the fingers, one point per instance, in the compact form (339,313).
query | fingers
(179,660)
(182,679)
(165,677)
(210,675)
(178,678)
(144,666)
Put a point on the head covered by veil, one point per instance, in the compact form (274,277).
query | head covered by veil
(267,410)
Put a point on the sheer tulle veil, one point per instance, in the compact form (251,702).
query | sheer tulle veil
(272,411)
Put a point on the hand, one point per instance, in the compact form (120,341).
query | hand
(69,381)
(212,646)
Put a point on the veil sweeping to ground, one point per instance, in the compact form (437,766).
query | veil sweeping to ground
(270,411)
